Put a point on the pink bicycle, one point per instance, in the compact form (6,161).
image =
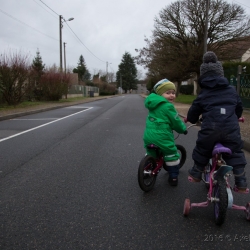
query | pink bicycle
(216,178)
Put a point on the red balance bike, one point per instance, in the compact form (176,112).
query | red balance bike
(150,167)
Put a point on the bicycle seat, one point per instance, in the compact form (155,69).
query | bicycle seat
(219,148)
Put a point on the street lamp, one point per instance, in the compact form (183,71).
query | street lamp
(61,20)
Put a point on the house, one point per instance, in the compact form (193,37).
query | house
(234,51)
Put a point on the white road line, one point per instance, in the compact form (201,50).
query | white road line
(26,131)
(42,119)
(76,107)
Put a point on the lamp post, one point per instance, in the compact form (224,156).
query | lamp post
(61,20)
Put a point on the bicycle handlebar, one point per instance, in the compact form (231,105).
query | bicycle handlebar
(241,119)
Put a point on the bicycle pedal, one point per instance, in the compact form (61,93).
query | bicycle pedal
(192,179)
(245,191)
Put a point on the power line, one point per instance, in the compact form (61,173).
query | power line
(75,34)
(44,9)
(48,7)
(84,44)
(27,25)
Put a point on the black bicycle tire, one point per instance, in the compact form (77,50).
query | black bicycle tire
(141,176)
(220,208)
(183,155)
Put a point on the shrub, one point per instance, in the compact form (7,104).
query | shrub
(106,89)
(14,71)
(53,85)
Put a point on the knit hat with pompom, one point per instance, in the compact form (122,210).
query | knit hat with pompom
(211,65)
(163,85)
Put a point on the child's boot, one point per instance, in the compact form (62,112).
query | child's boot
(195,173)
(173,172)
(240,179)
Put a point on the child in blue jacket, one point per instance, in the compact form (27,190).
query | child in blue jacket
(220,107)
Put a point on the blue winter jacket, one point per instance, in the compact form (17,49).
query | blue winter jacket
(218,102)
(220,107)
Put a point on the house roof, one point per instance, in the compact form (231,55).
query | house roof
(233,50)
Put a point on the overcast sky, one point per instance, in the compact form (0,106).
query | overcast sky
(102,30)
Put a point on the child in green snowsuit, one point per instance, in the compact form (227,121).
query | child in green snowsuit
(161,121)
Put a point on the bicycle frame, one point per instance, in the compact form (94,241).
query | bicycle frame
(216,163)
(159,160)
(216,170)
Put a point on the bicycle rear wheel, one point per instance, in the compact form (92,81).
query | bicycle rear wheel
(221,201)
(145,178)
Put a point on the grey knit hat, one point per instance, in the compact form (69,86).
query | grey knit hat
(211,65)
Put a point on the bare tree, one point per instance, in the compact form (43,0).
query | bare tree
(14,70)
(175,49)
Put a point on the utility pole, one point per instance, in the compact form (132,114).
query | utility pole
(61,19)
(107,64)
(107,71)
(64,57)
(60,40)
(206,27)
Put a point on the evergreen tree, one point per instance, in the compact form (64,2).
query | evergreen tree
(32,88)
(86,76)
(37,67)
(81,70)
(127,73)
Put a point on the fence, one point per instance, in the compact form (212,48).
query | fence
(244,88)
(83,90)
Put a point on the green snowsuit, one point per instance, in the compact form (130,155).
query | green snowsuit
(161,121)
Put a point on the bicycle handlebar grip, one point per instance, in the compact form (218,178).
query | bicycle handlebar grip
(185,132)
(185,119)
(242,119)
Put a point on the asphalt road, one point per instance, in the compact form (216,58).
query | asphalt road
(68,180)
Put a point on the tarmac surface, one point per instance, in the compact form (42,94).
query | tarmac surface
(181,108)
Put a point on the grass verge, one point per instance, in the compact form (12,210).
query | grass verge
(186,99)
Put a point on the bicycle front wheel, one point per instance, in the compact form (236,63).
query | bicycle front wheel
(183,154)
(206,175)
(221,201)
(145,178)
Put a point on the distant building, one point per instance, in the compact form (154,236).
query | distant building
(141,88)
